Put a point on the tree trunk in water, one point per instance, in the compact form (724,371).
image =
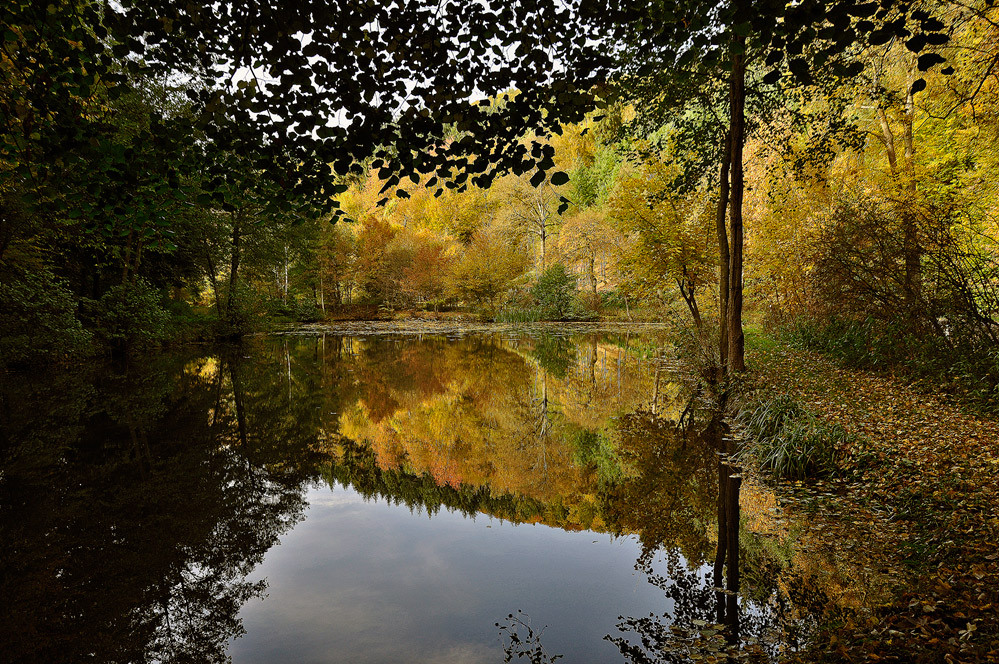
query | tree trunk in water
(723,258)
(737,99)
(237,400)
(722,548)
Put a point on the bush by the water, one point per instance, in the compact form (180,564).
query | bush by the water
(555,292)
(38,319)
(789,441)
(129,316)
(556,297)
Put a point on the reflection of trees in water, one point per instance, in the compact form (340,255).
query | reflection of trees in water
(670,491)
(542,431)
(355,465)
(706,622)
(134,504)
(536,440)
(528,415)
(712,614)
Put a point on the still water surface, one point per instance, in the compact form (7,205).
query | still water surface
(363,497)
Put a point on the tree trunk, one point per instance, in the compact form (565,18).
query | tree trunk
(910,240)
(689,295)
(593,275)
(723,257)
(213,277)
(233,266)
(737,99)
(912,253)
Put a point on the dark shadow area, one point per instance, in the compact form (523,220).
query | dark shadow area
(134,502)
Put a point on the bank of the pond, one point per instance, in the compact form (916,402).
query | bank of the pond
(918,490)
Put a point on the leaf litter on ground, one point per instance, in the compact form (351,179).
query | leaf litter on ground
(917,497)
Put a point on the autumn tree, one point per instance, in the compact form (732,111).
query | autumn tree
(683,59)
(488,267)
(426,278)
(336,258)
(674,235)
(531,210)
(589,239)
(380,260)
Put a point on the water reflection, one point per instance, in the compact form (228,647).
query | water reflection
(139,506)
(131,513)
(713,616)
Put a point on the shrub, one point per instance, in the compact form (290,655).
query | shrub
(555,293)
(129,316)
(306,311)
(37,319)
(244,314)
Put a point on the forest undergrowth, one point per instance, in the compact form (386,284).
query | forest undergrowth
(917,488)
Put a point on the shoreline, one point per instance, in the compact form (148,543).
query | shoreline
(918,489)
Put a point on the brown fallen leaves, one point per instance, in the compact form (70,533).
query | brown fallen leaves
(919,492)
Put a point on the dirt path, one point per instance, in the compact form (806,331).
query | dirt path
(921,489)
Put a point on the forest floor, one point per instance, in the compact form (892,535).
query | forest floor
(918,489)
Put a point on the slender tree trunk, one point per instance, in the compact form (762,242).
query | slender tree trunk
(544,239)
(911,246)
(322,295)
(723,256)
(213,278)
(689,295)
(127,256)
(737,99)
(233,266)
(284,282)
(911,250)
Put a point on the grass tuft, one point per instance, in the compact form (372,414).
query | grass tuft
(525,315)
(789,441)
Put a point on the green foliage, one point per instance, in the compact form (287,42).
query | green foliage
(295,310)
(240,312)
(555,294)
(583,187)
(613,299)
(594,449)
(306,311)
(37,319)
(789,440)
(129,316)
(519,315)
(555,354)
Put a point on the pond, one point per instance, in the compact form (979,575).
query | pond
(376,495)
